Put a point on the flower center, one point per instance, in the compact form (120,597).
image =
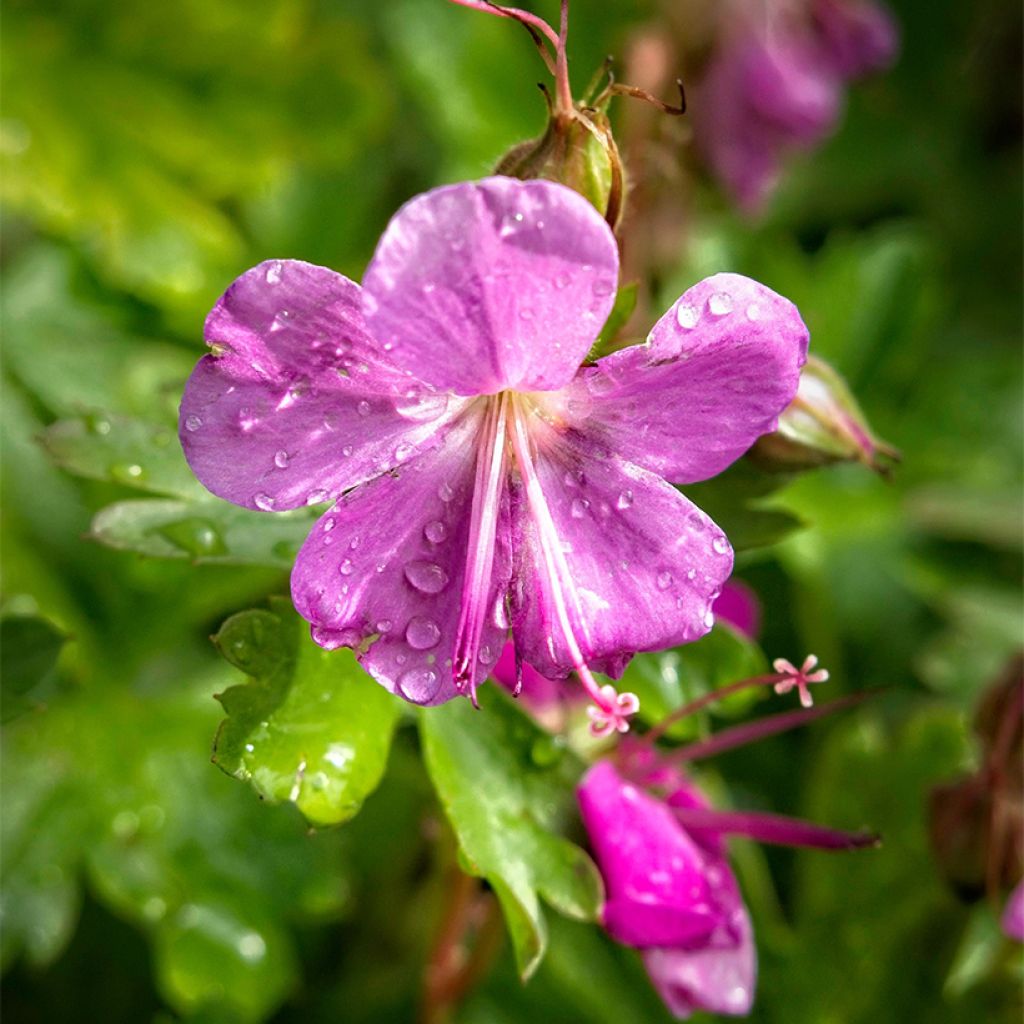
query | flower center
(506,435)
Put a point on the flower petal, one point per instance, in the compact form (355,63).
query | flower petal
(716,979)
(717,370)
(655,874)
(388,560)
(644,563)
(491,285)
(297,402)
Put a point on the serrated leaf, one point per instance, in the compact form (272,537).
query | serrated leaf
(202,531)
(506,811)
(666,680)
(126,451)
(312,727)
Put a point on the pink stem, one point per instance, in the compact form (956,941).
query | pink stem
(740,735)
(524,17)
(773,828)
(563,90)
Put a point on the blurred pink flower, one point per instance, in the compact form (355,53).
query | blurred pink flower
(738,606)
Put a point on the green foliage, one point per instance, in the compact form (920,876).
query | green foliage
(506,802)
(310,727)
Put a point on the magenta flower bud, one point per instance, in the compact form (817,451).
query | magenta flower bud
(823,424)
(858,37)
(670,893)
(738,606)
(1013,914)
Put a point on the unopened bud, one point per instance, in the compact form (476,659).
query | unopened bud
(577,149)
(822,424)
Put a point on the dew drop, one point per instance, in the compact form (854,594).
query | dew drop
(664,580)
(445,492)
(720,546)
(363,408)
(435,531)
(720,303)
(403,451)
(384,626)
(426,577)
(418,685)
(281,459)
(485,654)
(192,423)
(501,614)
(420,405)
(687,316)
(332,639)
(579,508)
(625,500)
(709,618)
(691,574)
(422,633)
(380,566)
(274,272)
(753,312)
(346,568)
(264,502)
(329,524)
(317,497)
(347,450)
(353,544)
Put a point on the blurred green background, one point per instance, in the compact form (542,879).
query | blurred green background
(152,152)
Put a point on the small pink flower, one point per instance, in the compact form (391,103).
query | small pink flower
(800,678)
(483,481)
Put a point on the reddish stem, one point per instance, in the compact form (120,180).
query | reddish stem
(773,828)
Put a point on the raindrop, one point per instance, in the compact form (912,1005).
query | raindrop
(435,531)
(363,408)
(274,272)
(445,492)
(384,626)
(691,574)
(720,545)
(403,451)
(428,287)
(264,502)
(426,576)
(625,500)
(687,316)
(664,580)
(347,450)
(353,544)
(709,618)
(421,405)
(128,473)
(281,459)
(191,423)
(720,303)
(194,536)
(346,568)
(753,312)
(501,614)
(579,508)
(419,685)
(246,418)
(98,425)
(317,497)
(422,633)
(485,654)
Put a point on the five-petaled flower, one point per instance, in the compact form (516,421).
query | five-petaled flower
(484,482)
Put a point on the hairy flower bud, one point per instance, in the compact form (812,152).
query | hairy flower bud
(823,424)
(577,149)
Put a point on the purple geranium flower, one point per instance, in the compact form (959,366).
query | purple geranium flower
(671,893)
(483,481)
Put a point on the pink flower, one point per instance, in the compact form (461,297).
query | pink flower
(1013,914)
(671,893)
(738,606)
(775,85)
(484,483)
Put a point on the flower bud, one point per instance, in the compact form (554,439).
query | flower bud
(577,149)
(823,424)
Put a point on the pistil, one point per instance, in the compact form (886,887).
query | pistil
(611,710)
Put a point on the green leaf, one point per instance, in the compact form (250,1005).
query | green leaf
(669,679)
(311,727)
(124,451)
(506,811)
(625,303)
(29,647)
(202,531)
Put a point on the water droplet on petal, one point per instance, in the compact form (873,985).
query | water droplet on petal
(720,303)
(346,568)
(363,408)
(445,492)
(422,633)
(403,451)
(418,685)
(329,524)
(691,574)
(419,405)
(353,544)
(332,639)
(426,577)
(625,500)
(753,312)
(384,626)
(192,423)
(664,580)
(501,614)
(317,497)
(281,459)
(485,654)
(347,450)
(709,618)
(720,545)
(687,316)
(274,272)
(435,531)
(264,502)
(579,508)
